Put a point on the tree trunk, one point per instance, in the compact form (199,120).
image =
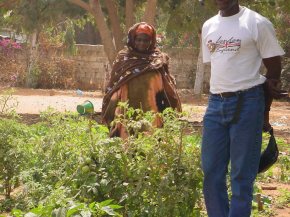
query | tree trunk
(150,12)
(32,74)
(104,30)
(115,24)
(199,76)
(130,19)
(8,187)
(95,9)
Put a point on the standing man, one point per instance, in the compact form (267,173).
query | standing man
(235,42)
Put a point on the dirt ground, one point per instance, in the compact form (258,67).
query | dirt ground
(273,191)
(31,102)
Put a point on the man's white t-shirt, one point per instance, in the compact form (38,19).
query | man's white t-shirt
(235,46)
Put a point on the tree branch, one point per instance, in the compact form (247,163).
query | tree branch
(115,24)
(103,29)
(150,12)
(82,4)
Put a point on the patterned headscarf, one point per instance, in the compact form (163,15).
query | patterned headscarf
(144,28)
(140,28)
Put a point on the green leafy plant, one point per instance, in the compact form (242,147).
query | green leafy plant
(159,167)
(156,171)
(284,198)
(8,103)
(94,209)
(33,75)
(11,156)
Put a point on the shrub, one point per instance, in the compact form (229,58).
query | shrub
(152,173)
(11,156)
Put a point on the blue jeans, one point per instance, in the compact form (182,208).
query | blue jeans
(238,143)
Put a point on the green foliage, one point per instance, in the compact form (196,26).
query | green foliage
(6,204)
(66,165)
(33,76)
(279,172)
(10,155)
(161,172)
(69,38)
(61,35)
(54,18)
(8,103)
(277,11)
(72,162)
(183,19)
(284,198)
(180,21)
(12,158)
(188,16)
(35,14)
(266,202)
(95,209)
(284,168)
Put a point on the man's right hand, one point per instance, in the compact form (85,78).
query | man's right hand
(266,126)
(273,88)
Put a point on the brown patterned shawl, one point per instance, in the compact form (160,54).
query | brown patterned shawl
(131,63)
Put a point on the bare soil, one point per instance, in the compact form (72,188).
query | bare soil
(33,101)
(274,191)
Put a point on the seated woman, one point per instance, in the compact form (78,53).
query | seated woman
(139,76)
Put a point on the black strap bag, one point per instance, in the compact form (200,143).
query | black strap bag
(270,155)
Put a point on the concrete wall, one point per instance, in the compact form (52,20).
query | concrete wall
(183,66)
(90,67)
(93,66)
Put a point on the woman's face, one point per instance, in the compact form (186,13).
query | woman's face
(142,42)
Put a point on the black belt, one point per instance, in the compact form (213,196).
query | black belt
(227,94)
(231,94)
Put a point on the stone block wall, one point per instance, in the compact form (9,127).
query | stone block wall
(182,65)
(93,66)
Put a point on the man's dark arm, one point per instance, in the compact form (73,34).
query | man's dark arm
(273,66)
(271,86)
